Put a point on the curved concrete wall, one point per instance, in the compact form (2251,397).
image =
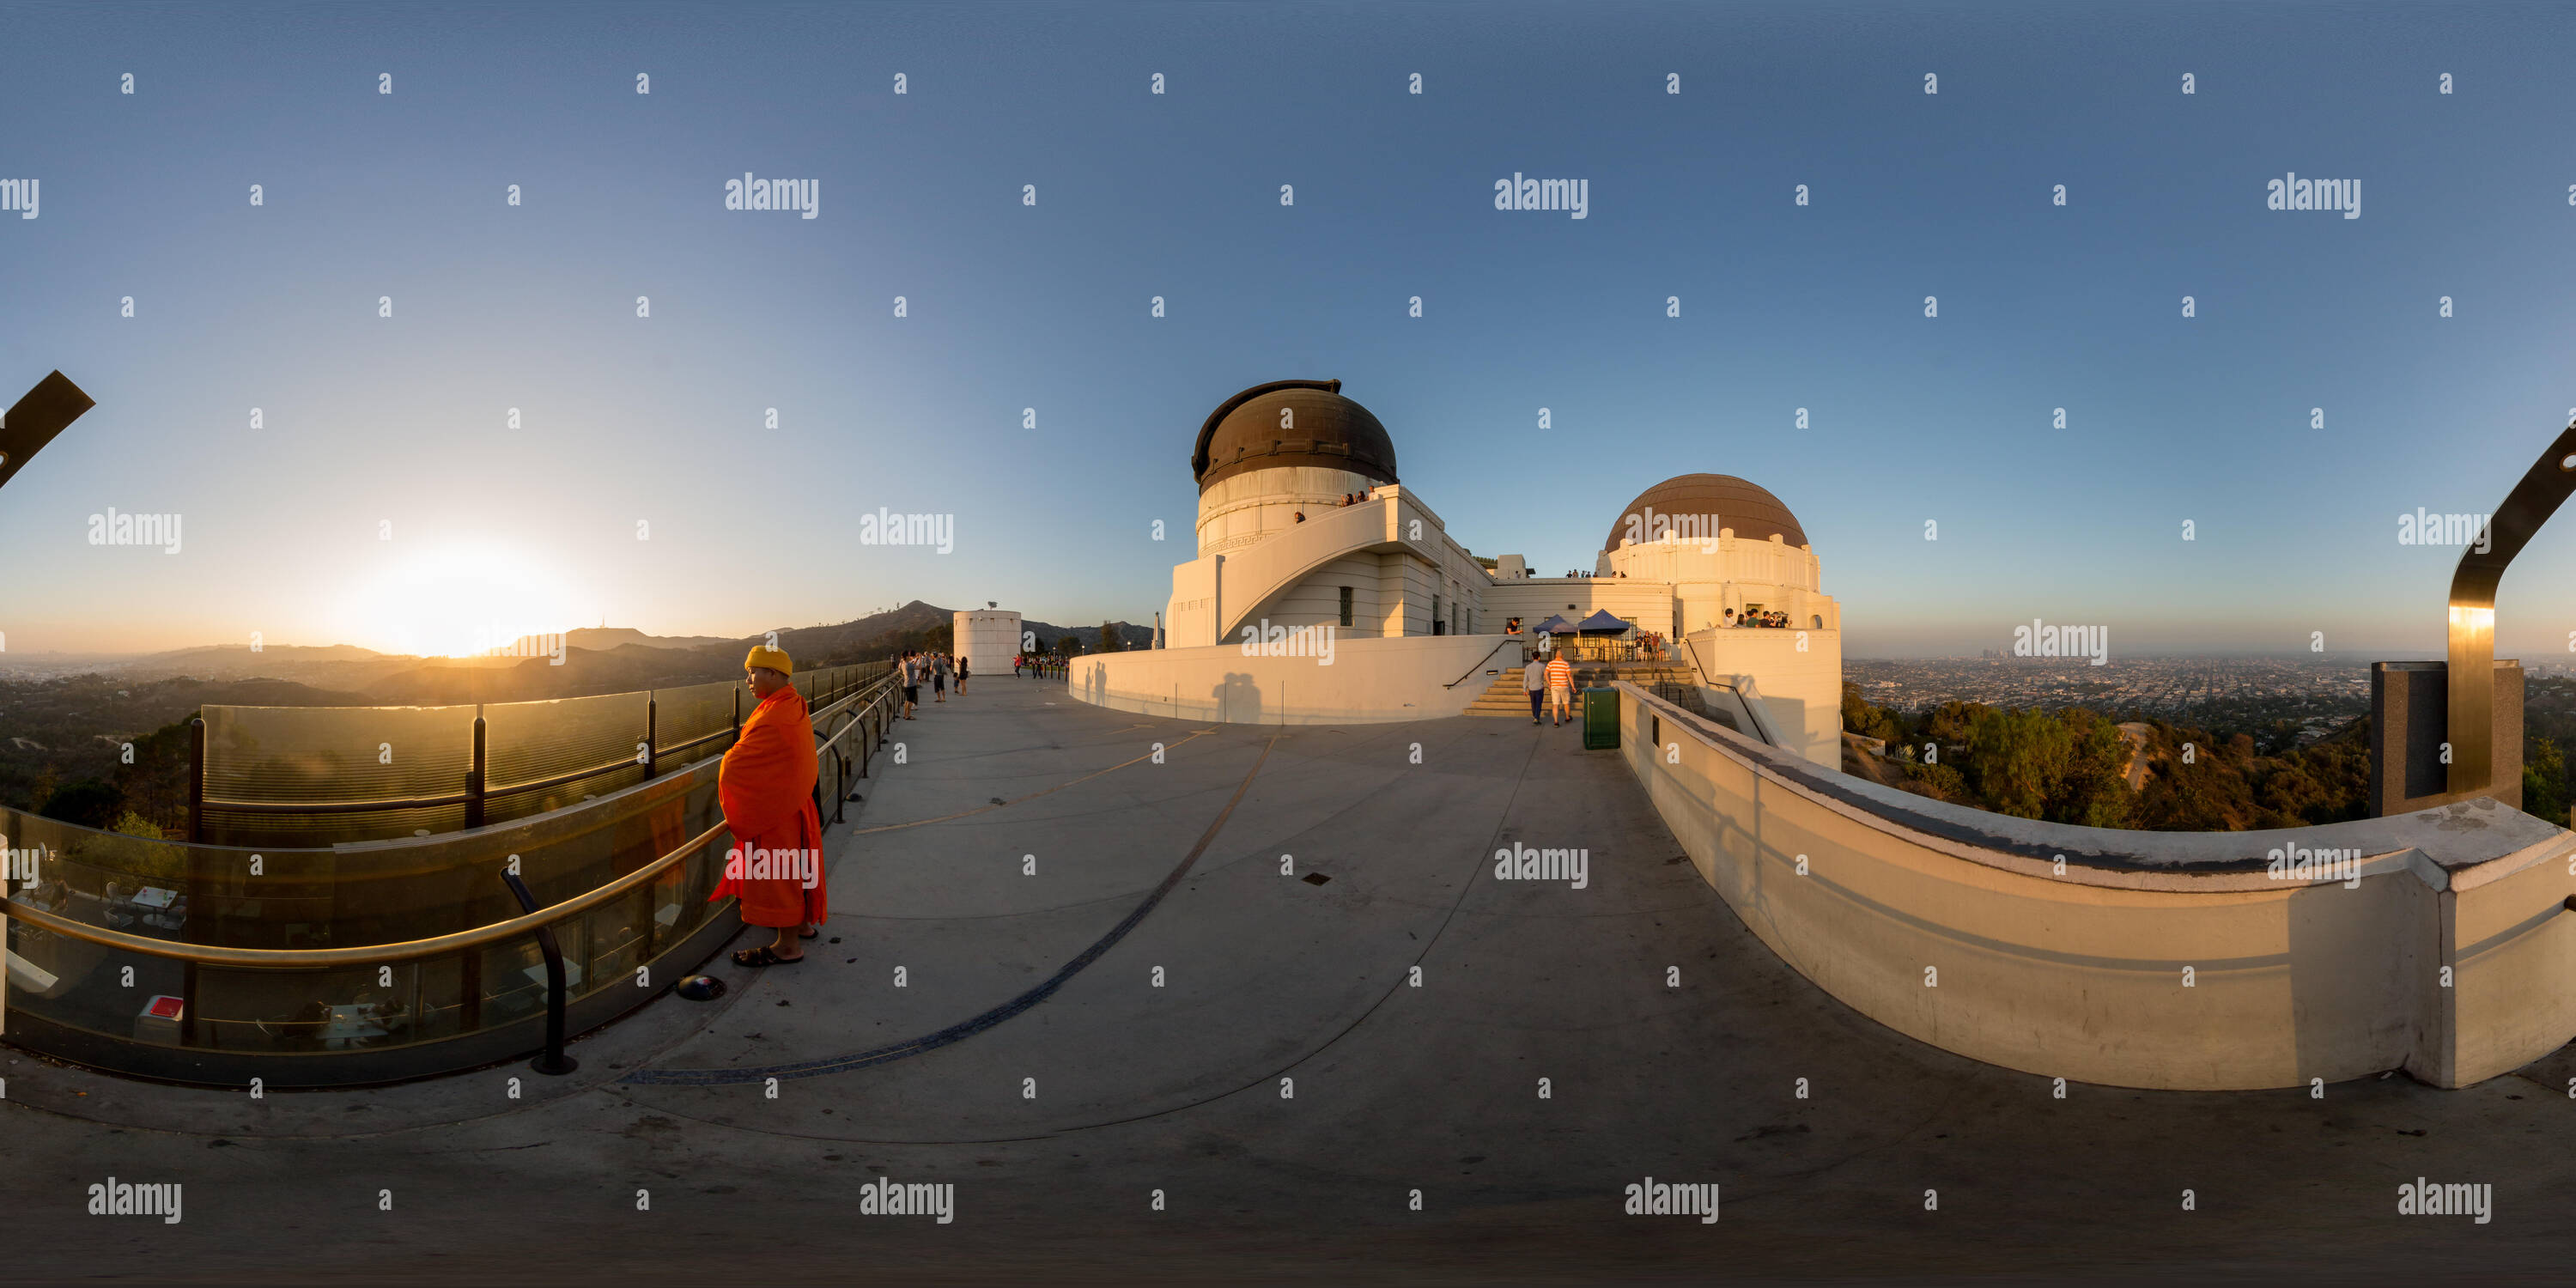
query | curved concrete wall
(1367,680)
(2062,951)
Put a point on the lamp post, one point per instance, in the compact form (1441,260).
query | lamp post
(2471,680)
(25,428)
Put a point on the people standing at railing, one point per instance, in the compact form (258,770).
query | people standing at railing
(911,682)
(766,786)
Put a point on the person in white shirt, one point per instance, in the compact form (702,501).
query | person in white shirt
(1534,681)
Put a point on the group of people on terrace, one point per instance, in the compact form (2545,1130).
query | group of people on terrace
(919,667)
(1755,619)
(1348,500)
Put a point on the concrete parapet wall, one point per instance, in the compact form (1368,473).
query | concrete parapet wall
(2061,950)
(1370,680)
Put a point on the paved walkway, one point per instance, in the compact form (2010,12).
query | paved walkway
(1030,1059)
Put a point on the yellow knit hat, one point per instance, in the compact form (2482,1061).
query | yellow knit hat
(773,658)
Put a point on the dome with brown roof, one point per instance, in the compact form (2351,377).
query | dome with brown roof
(1725,500)
(1292,422)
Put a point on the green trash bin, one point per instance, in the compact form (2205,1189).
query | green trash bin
(1600,719)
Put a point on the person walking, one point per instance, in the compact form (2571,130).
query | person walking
(1560,688)
(939,676)
(1534,682)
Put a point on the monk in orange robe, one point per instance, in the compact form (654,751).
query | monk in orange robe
(766,785)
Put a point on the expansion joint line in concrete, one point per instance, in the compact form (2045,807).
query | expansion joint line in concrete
(965,1029)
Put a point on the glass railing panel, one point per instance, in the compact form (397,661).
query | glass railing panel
(355,895)
(686,714)
(530,742)
(380,891)
(318,754)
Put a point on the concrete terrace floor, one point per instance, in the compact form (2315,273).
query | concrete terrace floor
(1396,1088)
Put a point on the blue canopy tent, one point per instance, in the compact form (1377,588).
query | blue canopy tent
(1601,623)
(1555,625)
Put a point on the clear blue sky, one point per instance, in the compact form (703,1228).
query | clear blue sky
(401,420)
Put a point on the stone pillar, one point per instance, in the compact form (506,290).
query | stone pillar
(2409,719)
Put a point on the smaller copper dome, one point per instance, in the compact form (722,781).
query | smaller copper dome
(1730,502)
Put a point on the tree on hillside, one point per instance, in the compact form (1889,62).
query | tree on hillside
(87,803)
(2063,767)
(1109,641)
(2544,781)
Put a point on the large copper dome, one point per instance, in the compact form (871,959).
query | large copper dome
(1324,428)
(1754,513)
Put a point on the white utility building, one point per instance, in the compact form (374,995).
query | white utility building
(988,638)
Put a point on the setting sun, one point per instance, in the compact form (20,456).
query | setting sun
(456,601)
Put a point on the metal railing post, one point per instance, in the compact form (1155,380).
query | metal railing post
(553,1061)
(652,733)
(197,781)
(474,781)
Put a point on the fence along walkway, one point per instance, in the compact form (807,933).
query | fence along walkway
(379,960)
(307,776)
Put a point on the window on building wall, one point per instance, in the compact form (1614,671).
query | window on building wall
(1346,605)
(1436,623)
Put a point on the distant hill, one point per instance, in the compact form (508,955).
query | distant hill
(615,659)
(278,653)
(333,666)
(914,625)
(601,639)
(1088,637)
(443,681)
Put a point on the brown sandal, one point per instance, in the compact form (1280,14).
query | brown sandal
(762,956)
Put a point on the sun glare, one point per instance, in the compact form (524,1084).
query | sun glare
(457,601)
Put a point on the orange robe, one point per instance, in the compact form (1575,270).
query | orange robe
(766,786)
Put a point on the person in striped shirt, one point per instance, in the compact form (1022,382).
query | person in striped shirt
(1560,688)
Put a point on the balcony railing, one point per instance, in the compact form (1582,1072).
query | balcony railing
(320,775)
(378,960)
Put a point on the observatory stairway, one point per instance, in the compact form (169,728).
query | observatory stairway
(1675,684)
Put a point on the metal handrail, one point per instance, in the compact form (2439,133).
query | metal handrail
(1480,662)
(876,690)
(368,955)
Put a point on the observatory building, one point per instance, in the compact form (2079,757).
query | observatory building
(1324,590)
